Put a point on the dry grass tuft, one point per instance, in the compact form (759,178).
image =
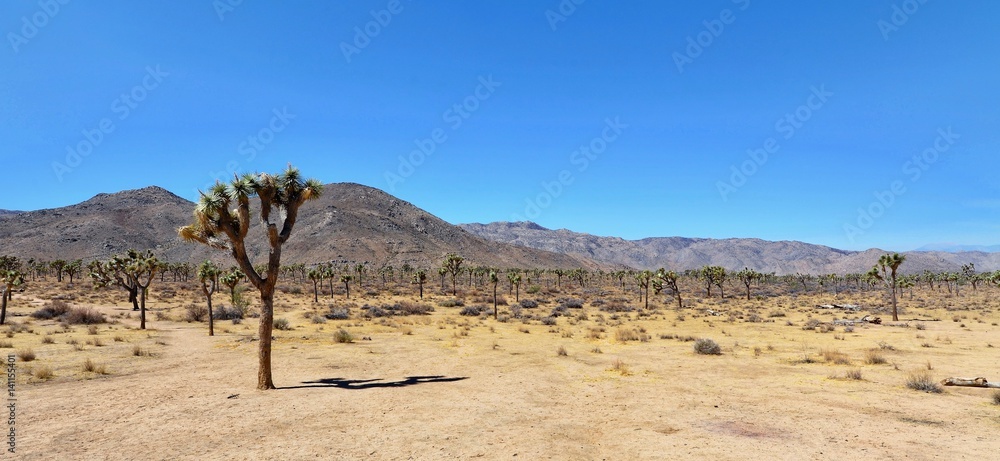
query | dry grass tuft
(921,381)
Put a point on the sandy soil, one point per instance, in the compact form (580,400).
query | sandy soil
(450,387)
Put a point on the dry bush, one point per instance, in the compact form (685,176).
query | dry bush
(835,356)
(561,352)
(451,302)
(196,313)
(343,336)
(6,344)
(921,381)
(550,320)
(90,367)
(621,367)
(996,397)
(51,310)
(873,357)
(630,334)
(83,316)
(854,374)
(282,324)
(472,311)
(44,373)
(705,346)
(48,340)
(26,355)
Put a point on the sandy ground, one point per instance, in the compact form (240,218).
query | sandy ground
(450,387)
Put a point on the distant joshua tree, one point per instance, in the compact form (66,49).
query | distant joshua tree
(208,276)
(419,277)
(346,280)
(885,272)
(749,277)
(133,272)
(222,220)
(494,280)
(453,265)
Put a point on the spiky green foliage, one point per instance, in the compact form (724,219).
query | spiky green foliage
(885,271)
(222,220)
(208,275)
(134,272)
(9,279)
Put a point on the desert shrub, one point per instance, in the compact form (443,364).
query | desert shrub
(873,357)
(705,346)
(472,311)
(630,334)
(515,311)
(529,303)
(44,373)
(228,313)
(48,340)
(549,321)
(533,289)
(558,310)
(597,302)
(196,313)
(338,313)
(755,318)
(451,302)
(282,324)
(343,336)
(811,324)
(83,315)
(572,303)
(51,310)
(616,306)
(834,356)
(411,308)
(996,397)
(561,352)
(854,374)
(921,381)
(621,367)
(503,318)
(26,355)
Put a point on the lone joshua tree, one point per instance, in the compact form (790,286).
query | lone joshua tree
(885,272)
(208,276)
(222,219)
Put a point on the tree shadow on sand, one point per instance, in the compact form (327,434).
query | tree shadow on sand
(356,384)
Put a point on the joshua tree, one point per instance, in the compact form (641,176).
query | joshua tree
(714,275)
(9,279)
(515,281)
(419,277)
(749,276)
(133,272)
(346,280)
(231,279)
(222,220)
(559,273)
(59,266)
(359,269)
(316,275)
(642,279)
(208,275)
(453,265)
(669,278)
(885,272)
(73,268)
(494,279)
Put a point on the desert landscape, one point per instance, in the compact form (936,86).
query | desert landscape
(370,363)
(559,230)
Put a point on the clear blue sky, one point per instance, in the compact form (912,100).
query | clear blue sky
(667,98)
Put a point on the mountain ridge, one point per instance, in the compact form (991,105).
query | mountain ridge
(681,253)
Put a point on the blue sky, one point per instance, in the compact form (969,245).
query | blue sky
(852,124)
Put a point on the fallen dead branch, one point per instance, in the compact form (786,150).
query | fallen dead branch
(969,382)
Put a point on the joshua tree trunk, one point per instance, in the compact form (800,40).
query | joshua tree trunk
(4,295)
(496,311)
(264,380)
(211,320)
(315,291)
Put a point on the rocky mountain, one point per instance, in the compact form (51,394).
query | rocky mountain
(349,222)
(7,212)
(678,253)
(954,248)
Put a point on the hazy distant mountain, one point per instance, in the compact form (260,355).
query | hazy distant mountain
(349,222)
(955,248)
(6,212)
(678,253)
